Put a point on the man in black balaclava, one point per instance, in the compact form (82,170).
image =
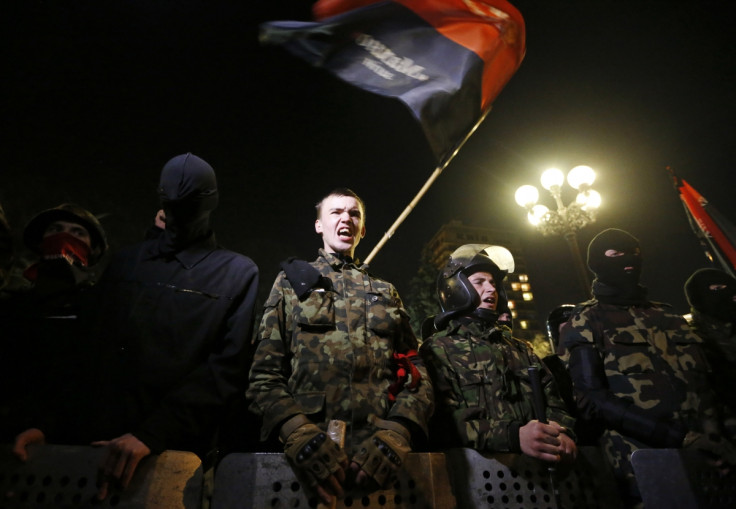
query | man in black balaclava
(188,194)
(712,297)
(637,368)
(712,292)
(175,319)
(615,258)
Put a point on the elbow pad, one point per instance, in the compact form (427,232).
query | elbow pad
(594,398)
(586,369)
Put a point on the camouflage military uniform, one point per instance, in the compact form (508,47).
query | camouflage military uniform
(718,335)
(640,370)
(479,373)
(720,349)
(330,355)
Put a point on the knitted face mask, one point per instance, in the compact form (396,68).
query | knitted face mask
(712,292)
(614,257)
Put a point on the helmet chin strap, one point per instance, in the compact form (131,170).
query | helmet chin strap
(487,316)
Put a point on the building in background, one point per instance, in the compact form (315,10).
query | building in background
(518,286)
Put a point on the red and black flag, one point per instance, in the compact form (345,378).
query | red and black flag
(447,60)
(716,233)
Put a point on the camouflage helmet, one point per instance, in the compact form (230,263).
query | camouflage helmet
(455,292)
(34,230)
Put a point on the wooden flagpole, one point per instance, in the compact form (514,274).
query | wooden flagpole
(436,173)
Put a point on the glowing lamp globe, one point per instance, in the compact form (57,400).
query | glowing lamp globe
(536,214)
(581,176)
(526,196)
(589,200)
(552,177)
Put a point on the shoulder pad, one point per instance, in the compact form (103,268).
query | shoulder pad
(302,275)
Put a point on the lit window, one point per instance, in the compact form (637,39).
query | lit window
(523,324)
(523,278)
(512,304)
(514,314)
(525,287)
(527,296)
(515,286)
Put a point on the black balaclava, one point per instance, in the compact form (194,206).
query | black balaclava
(188,194)
(716,302)
(615,283)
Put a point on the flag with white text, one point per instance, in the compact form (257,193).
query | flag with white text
(447,60)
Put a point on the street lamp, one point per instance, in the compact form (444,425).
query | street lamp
(566,220)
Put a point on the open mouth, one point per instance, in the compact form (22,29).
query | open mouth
(345,233)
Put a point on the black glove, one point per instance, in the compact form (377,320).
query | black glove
(712,446)
(310,450)
(382,454)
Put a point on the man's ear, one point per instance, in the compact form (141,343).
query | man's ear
(318,226)
(362,232)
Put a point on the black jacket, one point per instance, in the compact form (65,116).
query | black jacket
(176,331)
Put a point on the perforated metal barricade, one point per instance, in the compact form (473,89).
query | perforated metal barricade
(58,476)
(265,480)
(681,479)
(515,481)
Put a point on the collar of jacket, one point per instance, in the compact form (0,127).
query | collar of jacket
(709,323)
(190,255)
(476,327)
(337,261)
(612,295)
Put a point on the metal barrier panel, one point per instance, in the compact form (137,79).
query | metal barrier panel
(263,480)
(516,481)
(61,476)
(64,476)
(681,479)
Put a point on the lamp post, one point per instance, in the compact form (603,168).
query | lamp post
(566,220)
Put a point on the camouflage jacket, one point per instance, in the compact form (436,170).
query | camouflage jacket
(330,355)
(720,349)
(640,370)
(718,336)
(482,386)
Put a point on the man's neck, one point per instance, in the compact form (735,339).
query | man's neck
(342,254)
(344,257)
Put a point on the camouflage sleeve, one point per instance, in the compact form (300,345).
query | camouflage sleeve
(416,403)
(469,421)
(270,370)
(597,402)
(556,407)
(714,416)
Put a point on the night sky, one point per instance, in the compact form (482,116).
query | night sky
(99,95)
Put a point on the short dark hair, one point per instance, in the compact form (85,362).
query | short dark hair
(341,191)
